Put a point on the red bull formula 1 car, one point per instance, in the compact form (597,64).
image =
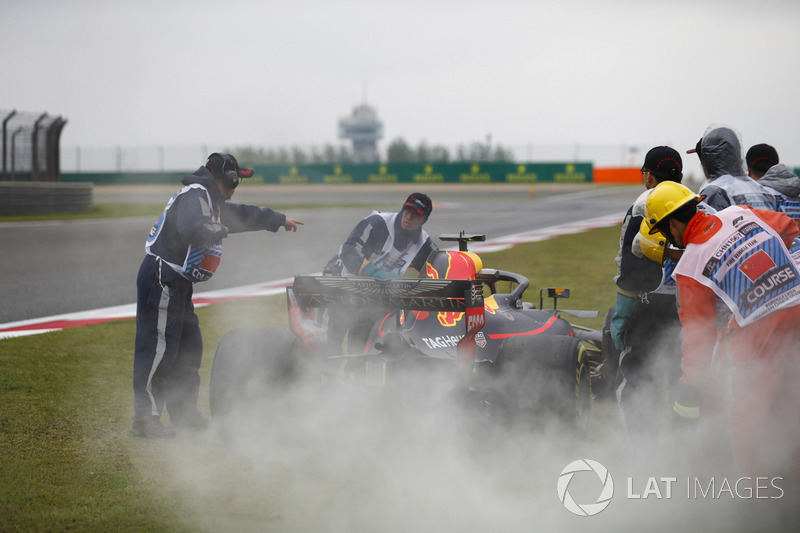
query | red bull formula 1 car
(458,327)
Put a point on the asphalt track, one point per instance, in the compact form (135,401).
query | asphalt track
(52,268)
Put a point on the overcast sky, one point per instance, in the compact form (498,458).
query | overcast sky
(268,73)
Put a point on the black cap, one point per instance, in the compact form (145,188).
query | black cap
(696,149)
(225,167)
(761,157)
(420,203)
(664,163)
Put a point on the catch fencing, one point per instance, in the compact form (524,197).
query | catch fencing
(30,182)
(30,149)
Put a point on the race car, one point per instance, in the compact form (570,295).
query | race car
(452,328)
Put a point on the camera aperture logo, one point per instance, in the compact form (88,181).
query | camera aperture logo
(585,509)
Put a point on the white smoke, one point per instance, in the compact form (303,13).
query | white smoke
(342,459)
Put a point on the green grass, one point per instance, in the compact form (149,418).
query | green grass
(105,210)
(122,210)
(68,463)
(153,209)
(583,263)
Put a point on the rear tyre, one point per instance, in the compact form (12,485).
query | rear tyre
(545,377)
(250,365)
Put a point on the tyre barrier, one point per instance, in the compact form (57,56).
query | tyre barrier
(26,197)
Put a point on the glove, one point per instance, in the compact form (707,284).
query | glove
(372,271)
(686,409)
(369,270)
(623,313)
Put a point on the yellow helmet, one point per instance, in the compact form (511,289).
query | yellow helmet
(666,198)
(649,245)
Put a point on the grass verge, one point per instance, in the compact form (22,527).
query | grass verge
(104,210)
(123,210)
(66,459)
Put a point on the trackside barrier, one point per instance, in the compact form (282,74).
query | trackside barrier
(396,173)
(422,173)
(617,175)
(27,197)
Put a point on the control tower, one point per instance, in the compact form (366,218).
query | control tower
(364,129)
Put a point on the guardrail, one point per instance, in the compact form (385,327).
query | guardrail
(20,197)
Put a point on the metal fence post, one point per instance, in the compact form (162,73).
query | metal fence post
(13,151)
(35,148)
(5,138)
(53,166)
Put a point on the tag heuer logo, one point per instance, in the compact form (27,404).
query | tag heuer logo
(480,339)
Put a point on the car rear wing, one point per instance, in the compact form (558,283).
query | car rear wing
(416,294)
(411,294)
